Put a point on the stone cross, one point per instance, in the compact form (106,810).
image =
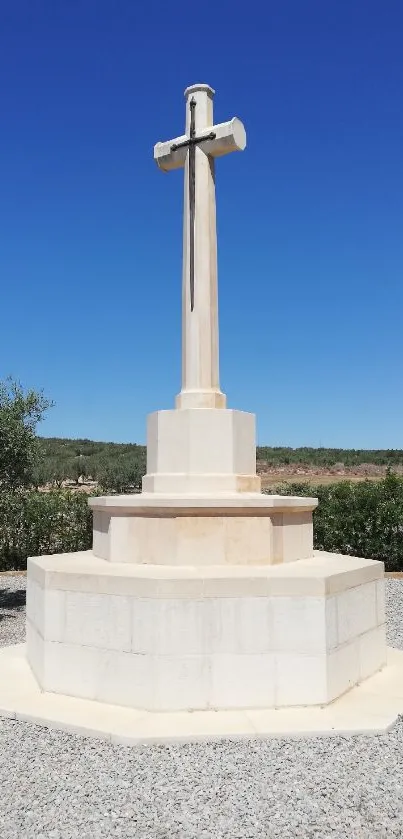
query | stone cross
(195,151)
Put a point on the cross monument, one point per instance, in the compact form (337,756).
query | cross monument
(201,594)
(200,447)
(196,152)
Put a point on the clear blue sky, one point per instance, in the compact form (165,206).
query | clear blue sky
(310,216)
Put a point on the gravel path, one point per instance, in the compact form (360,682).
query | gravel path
(59,786)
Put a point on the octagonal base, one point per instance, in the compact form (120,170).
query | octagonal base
(220,529)
(162,638)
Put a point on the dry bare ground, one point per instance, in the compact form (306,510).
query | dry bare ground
(272,476)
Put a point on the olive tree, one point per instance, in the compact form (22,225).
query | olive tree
(20,412)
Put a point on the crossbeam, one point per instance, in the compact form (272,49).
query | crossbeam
(228,137)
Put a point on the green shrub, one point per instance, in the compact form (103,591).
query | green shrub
(34,523)
(361,519)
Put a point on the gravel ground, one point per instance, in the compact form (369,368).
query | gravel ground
(12,610)
(59,786)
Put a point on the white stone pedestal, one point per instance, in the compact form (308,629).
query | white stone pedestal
(198,602)
(204,602)
(185,638)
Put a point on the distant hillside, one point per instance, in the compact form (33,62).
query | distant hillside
(119,465)
(330,457)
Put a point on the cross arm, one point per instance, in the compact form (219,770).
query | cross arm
(166,159)
(229,136)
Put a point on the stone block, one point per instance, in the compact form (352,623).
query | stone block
(34,592)
(101,542)
(170,627)
(35,652)
(343,669)
(380,601)
(300,679)
(242,681)
(304,625)
(372,651)
(180,683)
(357,611)
(201,450)
(97,620)
(72,669)
(46,613)
(292,536)
(240,625)
(126,679)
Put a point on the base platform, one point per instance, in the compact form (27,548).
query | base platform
(371,708)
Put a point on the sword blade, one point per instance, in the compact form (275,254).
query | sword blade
(192,191)
(192,199)
(191,142)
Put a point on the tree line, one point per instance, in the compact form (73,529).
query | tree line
(306,456)
(119,467)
